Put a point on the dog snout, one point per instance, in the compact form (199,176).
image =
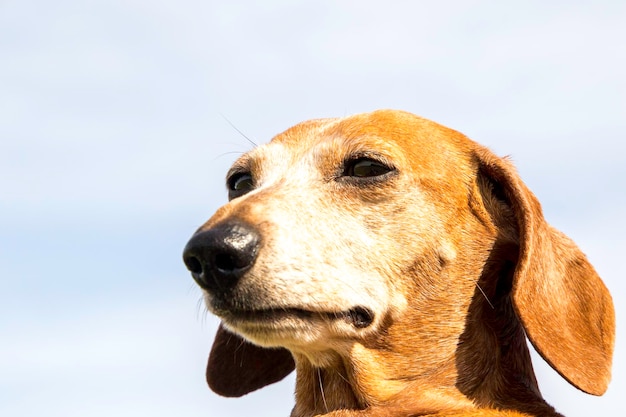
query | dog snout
(220,256)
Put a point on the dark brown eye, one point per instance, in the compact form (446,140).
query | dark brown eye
(239,184)
(365,168)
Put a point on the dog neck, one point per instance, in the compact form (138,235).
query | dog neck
(493,359)
(320,390)
(362,380)
(470,375)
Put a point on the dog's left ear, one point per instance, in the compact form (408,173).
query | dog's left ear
(237,367)
(565,308)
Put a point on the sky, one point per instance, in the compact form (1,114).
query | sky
(115,137)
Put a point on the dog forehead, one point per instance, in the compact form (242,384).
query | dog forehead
(408,140)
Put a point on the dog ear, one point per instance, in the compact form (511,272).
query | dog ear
(563,304)
(237,367)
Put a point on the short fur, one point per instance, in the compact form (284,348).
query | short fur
(408,295)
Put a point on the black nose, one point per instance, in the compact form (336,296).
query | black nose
(218,257)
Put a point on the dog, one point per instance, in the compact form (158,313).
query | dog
(399,268)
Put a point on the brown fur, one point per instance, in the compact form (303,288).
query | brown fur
(451,254)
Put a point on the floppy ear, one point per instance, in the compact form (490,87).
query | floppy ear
(237,367)
(565,308)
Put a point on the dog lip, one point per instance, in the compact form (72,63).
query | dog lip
(360,317)
(269,314)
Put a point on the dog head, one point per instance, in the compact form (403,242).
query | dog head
(401,250)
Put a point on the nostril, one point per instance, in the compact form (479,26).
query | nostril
(193,264)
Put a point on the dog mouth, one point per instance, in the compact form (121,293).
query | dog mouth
(358,317)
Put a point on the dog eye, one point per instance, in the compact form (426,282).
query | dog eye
(365,168)
(239,184)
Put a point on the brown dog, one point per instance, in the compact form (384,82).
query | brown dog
(400,267)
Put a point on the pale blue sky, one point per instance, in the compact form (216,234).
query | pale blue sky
(113,149)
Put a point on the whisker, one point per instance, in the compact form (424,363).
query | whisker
(238,131)
(484,295)
(201,310)
(342,377)
(319,378)
(230,153)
